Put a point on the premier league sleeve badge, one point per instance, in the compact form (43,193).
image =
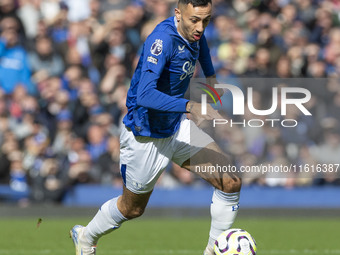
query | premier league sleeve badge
(157,47)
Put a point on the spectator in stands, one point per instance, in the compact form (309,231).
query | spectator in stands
(266,40)
(24,127)
(23,109)
(70,155)
(133,15)
(262,67)
(15,104)
(18,178)
(283,67)
(45,59)
(306,12)
(8,9)
(328,150)
(63,132)
(95,18)
(276,157)
(115,75)
(160,10)
(78,10)
(35,147)
(86,105)
(236,51)
(49,183)
(14,68)
(28,12)
(320,32)
(108,164)
(305,157)
(299,134)
(81,170)
(78,43)
(334,108)
(71,79)
(331,50)
(117,107)
(97,142)
(106,122)
(298,65)
(7,146)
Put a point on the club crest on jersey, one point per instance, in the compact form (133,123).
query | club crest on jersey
(157,47)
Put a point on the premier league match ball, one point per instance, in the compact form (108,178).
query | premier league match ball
(235,241)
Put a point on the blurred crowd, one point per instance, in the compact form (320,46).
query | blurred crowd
(65,68)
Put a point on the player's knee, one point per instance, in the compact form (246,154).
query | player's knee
(231,185)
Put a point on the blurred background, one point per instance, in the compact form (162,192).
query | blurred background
(66,66)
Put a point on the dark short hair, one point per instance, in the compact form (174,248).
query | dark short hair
(195,3)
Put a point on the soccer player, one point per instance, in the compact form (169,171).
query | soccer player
(157,130)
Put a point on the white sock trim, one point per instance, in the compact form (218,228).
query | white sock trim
(231,198)
(116,215)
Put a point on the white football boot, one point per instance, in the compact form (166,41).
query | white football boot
(209,251)
(83,247)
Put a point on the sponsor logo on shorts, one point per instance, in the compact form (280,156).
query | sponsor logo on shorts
(137,185)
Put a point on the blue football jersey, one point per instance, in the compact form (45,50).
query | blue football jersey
(155,100)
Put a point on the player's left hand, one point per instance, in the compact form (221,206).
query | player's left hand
(195,110)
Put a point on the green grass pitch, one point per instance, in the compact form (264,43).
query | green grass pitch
(162,236)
